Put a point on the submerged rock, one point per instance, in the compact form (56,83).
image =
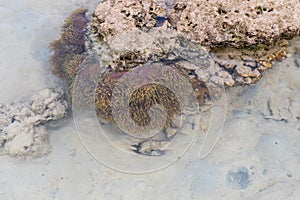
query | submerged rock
(113,17)
(246,65)
(22,130)
(239,179)
(209,23)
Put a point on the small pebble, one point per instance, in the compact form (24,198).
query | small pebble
(289,174)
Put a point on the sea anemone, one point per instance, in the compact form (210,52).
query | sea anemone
(74,28)
(140,102)
(69,49)
(143,88)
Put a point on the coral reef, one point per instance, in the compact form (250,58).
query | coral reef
(22,130)
(244,39)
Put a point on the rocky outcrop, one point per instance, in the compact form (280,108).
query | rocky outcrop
(22,130)
(212,44)
(244,37)
(210,23)
(236,23)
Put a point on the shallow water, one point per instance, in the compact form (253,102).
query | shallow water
(256,158)
(26,29)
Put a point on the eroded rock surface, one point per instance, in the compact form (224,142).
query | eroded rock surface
(236,23)
(244,37)
(112,17)
(22,130)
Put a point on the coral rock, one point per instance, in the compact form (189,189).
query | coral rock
(236,23)
(112,17)
(22,130)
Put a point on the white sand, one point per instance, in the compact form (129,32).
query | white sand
(257,158)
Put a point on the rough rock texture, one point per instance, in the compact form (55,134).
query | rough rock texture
(131,48)
(252,33)
(112,17)
(129,33)
(22,130)
(210,23)
(236,23)
(246,66)
(243,41)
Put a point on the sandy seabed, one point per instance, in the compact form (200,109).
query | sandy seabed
(257,157)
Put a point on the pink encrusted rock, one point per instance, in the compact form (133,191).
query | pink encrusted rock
(236,23)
